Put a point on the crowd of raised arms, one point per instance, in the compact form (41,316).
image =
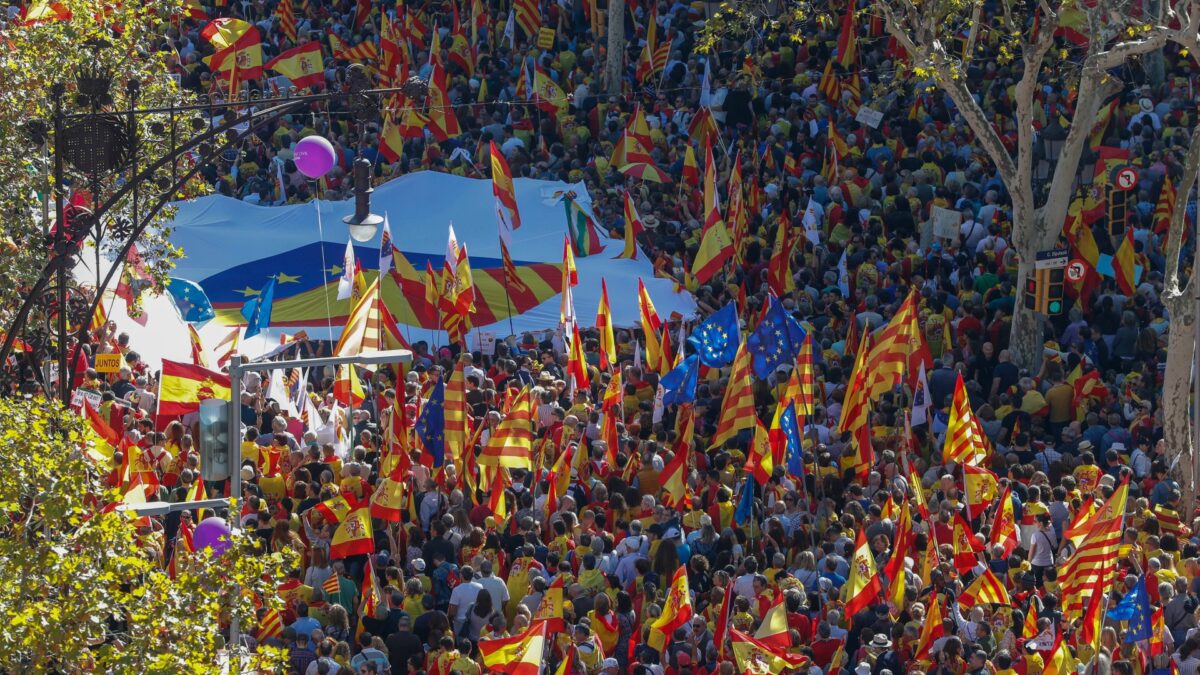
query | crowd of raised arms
(665,537)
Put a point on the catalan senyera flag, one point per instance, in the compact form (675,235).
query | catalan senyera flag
(677,610)
(457,414)
(856,410)
(1123,264)
(863,586)
(608,344)
(517,655)
(511,445)
(287,19)
(847,44)
(986,589)
(805,398)
(1165,206)
(899,350)
(363,51)
(633,227)
(737,407)
(353,535)
(1096,558)
(529,17)
(301,65)
(962,446)
(270,626)
(966,547)
(184,386)
(651,327)
(503,191)
(1004,527)
(370,328)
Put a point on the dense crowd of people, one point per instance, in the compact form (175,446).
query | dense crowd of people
(1063,440)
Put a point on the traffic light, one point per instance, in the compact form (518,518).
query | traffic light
(1054,291)
(1044,291)
(1118,213)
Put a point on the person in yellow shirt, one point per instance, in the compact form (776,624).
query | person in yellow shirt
(1087,474)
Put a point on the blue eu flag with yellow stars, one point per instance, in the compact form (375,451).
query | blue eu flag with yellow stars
(791,432)
(191,300)
(431,424)
(679,385)
(1135,608)
(716,340)
(745,507)
(776,341)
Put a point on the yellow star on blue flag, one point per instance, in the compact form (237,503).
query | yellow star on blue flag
(431,424)
(716,340)
(776,341)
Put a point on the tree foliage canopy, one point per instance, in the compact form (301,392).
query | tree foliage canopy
(85,588)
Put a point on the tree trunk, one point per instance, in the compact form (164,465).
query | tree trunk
(1176,397)
(1025,343)
(614,64)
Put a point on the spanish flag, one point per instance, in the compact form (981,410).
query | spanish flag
(184,386)
(1004,528)
(774,629)
(335,510)
(107,440)
(966,548)
(691,168)
(633,227)
(931,630)
(1122,264)
(550,610)
(353,535)
(347,388)
(674,480)
(517,655)
(676,611)
(604,325)
(980,487)
(504,192)
(863,586)
(577,367)
(651,326)
(302,65)
(388,502)
(716,244)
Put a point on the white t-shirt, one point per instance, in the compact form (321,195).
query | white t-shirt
(463,598)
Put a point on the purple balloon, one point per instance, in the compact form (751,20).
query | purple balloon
(314,156)
(212,533)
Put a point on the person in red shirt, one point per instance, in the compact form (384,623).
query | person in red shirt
(825,646)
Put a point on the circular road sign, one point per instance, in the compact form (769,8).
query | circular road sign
(1076,270)
(1126,178)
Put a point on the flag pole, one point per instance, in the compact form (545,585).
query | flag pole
(507,290)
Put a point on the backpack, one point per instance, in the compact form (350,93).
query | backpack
(445,578)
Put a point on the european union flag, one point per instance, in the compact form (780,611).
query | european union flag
(791,431)
(717,339)
(431,424)
(191,300)
(1135,608)
(745,507)
(679,385)
(776,341)
(257,312)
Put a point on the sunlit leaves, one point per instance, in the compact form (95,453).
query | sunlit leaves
(82,590)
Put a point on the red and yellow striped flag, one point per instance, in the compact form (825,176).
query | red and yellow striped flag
(512,443)
(737,407)
(1096,558)
(962,446)
(987,590)
(856,411)
(456,413)
(633,227)
(199,355)
(370,328)
(899,349)
(287,19)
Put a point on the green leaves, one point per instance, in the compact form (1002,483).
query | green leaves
(90,578)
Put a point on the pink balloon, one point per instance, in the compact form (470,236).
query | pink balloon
(212,533)
(314,156)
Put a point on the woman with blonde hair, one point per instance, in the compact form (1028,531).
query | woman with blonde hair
(338,626)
